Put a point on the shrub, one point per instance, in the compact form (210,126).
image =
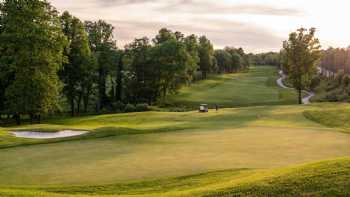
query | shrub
(315,82)
(331,98)
(130,108)
(118,106)
(342,96)
(346,80)
(142,107)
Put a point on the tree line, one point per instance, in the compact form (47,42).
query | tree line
(50,60)
(268,58)
(336,59)
(333,85)
(326,72)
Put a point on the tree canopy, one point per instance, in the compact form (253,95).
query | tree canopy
(301,55)
(56,62)
(31,55)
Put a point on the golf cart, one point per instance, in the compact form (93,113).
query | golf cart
(203,108)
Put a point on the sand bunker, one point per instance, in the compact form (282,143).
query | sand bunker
(48,135)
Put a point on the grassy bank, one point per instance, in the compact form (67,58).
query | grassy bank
(335,115)
(326,178)
(172,144)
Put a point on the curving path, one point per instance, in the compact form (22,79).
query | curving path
(306,99)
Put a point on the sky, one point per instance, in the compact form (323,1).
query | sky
(255,25)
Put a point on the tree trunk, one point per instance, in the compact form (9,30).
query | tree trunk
(300,98)
(86,96)
(102,88)
(31,116)
(86,102)
(79,103)
(17,119)
(204,74)
(164,92)
(72,106)
(119,88)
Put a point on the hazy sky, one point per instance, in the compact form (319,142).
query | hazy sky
(256,25)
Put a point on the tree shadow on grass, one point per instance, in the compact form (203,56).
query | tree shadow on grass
(228,118)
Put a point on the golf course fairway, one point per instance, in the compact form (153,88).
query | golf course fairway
(261,149)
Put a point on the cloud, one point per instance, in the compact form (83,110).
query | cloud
(221,32)
(121,2)
(188,6)
(208,7)
(138,18)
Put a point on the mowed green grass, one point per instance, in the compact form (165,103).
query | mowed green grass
(326,178)
(246,151)
(254,87)
(332,115)
(173,144)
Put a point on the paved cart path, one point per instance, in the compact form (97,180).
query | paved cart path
(306,99)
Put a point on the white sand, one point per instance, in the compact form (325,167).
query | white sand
(48,135)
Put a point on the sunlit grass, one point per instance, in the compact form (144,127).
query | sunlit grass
(326,178)
(245,150)
(120,147)
(255,87)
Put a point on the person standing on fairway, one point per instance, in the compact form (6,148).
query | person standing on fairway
(216,107)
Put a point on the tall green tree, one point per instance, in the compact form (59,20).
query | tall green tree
(104,49)
(224,61)
(143,75)
(119,76)
(162,67)
(236,58)
(6,76)
(301,56)
(171,58)
(165,35)
(176,59)
(206,56)
(77,73)
(32,44)
(192,47)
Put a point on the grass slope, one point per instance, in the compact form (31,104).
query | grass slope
(326,178)
(255,87)
(331,115)
(172,144)
(133,154)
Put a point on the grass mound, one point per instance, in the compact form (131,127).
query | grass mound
(332,115)
(326,178)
